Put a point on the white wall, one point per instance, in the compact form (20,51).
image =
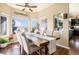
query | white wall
(74,8)
(64,34)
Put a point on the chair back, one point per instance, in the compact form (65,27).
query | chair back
(25,43)
(18,36)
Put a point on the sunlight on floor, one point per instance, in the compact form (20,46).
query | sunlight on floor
(15,46)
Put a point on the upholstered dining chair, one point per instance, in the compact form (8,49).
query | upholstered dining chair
(29,49)
(18,37)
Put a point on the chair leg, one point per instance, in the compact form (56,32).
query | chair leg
(21,50)
(40,52)
(46,50)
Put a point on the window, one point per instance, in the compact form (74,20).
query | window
(3,25)
(20,22)
(34,25)
(58,23)
(58,18)
(43,24)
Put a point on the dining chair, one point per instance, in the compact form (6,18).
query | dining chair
(18,37)
(29,49)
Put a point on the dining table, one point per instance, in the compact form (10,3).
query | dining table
(42,43)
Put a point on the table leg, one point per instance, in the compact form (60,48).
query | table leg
(40,52)
(46,50)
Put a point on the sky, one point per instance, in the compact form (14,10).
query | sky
(34,23)
(21,22)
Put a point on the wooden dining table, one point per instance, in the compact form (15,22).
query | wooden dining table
(40,43)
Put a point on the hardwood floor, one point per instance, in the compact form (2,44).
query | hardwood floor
(74,42)
(74,45)
(61,51)
(13,49)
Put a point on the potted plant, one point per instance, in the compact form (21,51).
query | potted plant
(3,42)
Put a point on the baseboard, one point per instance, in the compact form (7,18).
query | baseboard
(62,46)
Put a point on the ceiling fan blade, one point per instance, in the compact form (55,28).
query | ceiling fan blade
(23,9)
(31,10)
(32,6)
(20,5)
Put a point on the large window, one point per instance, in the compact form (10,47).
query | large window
(3,25)
(20,22)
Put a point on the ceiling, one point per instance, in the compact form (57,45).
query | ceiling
(40,6)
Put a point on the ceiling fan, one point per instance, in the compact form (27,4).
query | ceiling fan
(27,5)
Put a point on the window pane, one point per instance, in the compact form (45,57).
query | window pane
(34,23)
(3,25)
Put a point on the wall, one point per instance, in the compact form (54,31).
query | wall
(64,41)
(74,8)
(10,12)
